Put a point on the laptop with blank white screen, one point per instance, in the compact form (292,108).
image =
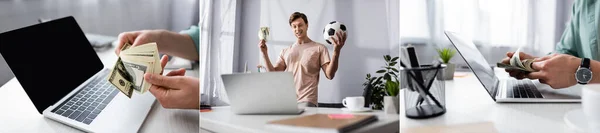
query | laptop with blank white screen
(66,80)
(508,89)
(270,93)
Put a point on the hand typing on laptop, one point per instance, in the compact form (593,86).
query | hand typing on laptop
(173,90)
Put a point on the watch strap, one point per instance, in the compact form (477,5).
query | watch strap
(585,63)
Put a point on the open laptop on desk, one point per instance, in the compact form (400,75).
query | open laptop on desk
(509,89)
(261,93)
(66,80)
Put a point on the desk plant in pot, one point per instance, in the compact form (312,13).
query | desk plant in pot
(445,55)
(385,87)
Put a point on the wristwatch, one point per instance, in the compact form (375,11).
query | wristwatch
(584,73)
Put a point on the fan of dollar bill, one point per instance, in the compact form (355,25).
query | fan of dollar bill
(133,62)
(517,64)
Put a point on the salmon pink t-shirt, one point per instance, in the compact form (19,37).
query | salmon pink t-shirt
(305,62)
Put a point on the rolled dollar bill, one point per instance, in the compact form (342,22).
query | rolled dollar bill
(515,60)
(527,65)
(263,33)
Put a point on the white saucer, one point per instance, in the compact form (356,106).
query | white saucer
(576,120)
(356,110)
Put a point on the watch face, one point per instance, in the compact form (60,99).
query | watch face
(583,75)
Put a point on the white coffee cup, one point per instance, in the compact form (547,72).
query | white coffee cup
(590,103)
(354,103)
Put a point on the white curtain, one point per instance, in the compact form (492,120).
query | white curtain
(490,23)
(217,36)
(205,50)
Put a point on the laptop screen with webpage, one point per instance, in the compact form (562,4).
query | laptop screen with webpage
(49,59)
(476,62)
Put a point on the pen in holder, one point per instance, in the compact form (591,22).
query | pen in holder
(423,98)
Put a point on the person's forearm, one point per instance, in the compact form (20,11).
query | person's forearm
(268,64)
(333,66)
(177,44)
(595,67)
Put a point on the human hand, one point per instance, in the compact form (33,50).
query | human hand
(263,46)
(136,38)
(338,41)
(556,70)
(174,90)
(516,73)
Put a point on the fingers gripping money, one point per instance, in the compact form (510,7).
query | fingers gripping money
(133,62)
(517,64)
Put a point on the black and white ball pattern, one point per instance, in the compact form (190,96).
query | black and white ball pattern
(331,29)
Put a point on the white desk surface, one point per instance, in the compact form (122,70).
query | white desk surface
(468,102)
(222,120)
(18,113)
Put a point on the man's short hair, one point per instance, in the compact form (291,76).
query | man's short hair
(297,15)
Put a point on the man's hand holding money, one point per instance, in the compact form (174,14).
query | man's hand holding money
(519,74)
(174,90)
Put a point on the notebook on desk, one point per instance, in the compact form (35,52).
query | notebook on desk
(480,127)
(323,123)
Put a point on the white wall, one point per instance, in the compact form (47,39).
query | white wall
(368,38)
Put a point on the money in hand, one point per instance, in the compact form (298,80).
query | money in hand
(263,33)
(517,63)
(133,62)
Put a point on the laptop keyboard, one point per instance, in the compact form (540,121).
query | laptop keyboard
(522,89)
(89,101)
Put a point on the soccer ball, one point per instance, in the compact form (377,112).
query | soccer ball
(331,29)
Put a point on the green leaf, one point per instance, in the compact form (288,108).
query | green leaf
(392,88)
(387,58)
(387,76)
(395,70)
(395,58)
(393,64)
(381,71)
(446,54)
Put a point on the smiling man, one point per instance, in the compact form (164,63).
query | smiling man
(305,58)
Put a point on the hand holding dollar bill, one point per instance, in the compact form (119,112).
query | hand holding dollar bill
(133,62)
(517,64)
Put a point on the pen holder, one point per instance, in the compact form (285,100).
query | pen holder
(424,96)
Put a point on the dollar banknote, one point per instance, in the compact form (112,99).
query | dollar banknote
(132,64)
(120,78)
(263,33)
(516,63)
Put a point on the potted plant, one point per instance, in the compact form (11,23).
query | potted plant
(374,92)
(385,87)
(445,54)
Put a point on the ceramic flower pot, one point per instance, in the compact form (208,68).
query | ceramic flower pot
(449,71)
(391,104)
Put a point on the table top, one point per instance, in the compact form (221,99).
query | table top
(467,102)
(221,119)
(23,117)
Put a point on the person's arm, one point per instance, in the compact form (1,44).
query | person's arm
(595,67)
(330,67)
(570,38)
(280,66)
(183,44)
